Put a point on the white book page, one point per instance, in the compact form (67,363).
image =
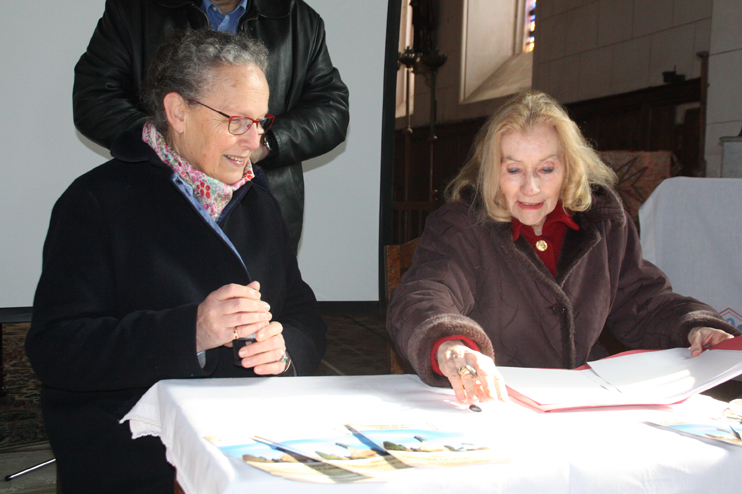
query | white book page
(669,373)
(555,386)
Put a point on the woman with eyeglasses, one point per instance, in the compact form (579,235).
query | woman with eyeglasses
(156,262)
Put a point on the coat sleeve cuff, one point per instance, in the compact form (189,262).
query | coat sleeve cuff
(434,352)
(701,319)
(427,334)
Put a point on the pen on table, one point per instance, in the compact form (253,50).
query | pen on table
(8,478)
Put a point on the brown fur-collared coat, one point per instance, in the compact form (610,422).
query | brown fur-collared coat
(470,279)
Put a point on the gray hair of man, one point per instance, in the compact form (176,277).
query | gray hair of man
(187,63)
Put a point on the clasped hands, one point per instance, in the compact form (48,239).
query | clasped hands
(457,361)
(236,311)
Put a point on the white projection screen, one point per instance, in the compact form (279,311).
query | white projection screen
(42,152)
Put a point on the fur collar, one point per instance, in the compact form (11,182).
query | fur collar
(606,206)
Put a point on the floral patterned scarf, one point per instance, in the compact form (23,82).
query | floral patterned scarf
(213,194)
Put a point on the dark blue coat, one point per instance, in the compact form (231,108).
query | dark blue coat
(128,257)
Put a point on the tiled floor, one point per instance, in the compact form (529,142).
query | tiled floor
(356,346)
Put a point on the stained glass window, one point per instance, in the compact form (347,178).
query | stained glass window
(530,25)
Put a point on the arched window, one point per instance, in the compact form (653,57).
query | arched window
(497,48)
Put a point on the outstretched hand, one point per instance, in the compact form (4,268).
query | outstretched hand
(702,338)
(473,376)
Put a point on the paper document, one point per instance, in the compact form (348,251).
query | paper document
(660,377)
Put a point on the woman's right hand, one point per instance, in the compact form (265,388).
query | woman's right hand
(456,361)
(230,312)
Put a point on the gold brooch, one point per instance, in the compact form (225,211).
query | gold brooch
(541,245)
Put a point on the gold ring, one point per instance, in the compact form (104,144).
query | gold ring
(467,368)
(236,334)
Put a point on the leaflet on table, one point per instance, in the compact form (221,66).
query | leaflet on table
(661,377)
(338,447)
(384,450)
(725,427)
(426,446)
(717,429)
(285,464)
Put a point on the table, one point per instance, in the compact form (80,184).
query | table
(607,451)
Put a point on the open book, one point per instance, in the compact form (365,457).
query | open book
(643,377)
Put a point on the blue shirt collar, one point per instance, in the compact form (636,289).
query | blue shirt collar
(228,22)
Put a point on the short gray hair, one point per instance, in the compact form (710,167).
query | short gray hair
(185,63)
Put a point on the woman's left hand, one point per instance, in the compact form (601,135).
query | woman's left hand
(266,354)
(456,361)
(702,338)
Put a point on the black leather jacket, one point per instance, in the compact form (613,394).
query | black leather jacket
(306,92)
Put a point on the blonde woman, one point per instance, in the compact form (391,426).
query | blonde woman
(532,256)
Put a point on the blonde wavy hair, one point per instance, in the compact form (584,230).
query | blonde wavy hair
(525,111)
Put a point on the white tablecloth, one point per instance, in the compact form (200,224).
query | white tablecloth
(606,451)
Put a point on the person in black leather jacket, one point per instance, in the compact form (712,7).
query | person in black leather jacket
(306,92)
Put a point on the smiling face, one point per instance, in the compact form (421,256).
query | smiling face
(200,135)
(532,172)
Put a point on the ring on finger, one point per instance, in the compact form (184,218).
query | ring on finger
(286,361)
(467,368)
(236,334)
